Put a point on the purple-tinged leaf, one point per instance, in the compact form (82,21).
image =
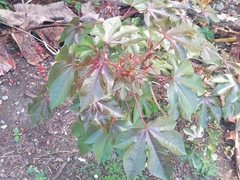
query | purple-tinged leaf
(127,138)
(108,78)
(110,107)
(172,140)
(134,158)
(92,90)
(159,163)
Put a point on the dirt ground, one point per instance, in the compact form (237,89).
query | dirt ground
(50,146)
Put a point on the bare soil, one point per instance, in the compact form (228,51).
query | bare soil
(50,146)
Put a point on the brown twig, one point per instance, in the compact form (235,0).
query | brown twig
(59,170)
(155,100)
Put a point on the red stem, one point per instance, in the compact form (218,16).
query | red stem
(151,50)
(136,101)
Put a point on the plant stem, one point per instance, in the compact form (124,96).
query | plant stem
(151,50)
(136,101)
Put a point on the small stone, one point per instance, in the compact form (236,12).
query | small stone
(219,6)
(23,110)
(231,6)
(4,98)
(68,159)
(18,112)
(82,160)
(67,111)
(2,122)
(95,176)
(16,103)
(2,160)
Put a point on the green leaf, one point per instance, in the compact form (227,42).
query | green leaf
(159,163)
(185,68)
(173,102)
(75,104)
(124,31)
(221,89)
(16,138)
(59,88)
(209,53)
(172,140)
(187,100)
(92,135)
(77,129)
(163,123)
(16,131)
(87,41)
(194,132)
(179,50)
(209,106)
(72,32)
(84,51)
(109,27)
(103,147)
(230,98)
(84,148)
(134,158)
(85,139)
(67,54)
(126,138)
(39,108)
(193,82)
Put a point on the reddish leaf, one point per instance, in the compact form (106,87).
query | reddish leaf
(40,68)
(39,48)
(11,81)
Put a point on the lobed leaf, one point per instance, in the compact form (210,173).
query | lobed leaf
(158,163)
(103,146)
(39,108)
(135,157)
(60,86)
(72,32)
(172,140)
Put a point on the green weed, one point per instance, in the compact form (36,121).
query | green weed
(37,175)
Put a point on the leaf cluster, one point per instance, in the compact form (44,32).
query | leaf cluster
(108,70)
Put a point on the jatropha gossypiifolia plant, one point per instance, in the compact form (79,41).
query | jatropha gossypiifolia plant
(108,69)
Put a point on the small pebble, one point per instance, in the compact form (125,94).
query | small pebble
(16,103)
(67,111)
(95,176)
(82,160)
(2,122)
(4,98)
(219,6)
(231,6)
(2,160)
(23,110)
(18,112)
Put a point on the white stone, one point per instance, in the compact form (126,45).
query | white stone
(4,98)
